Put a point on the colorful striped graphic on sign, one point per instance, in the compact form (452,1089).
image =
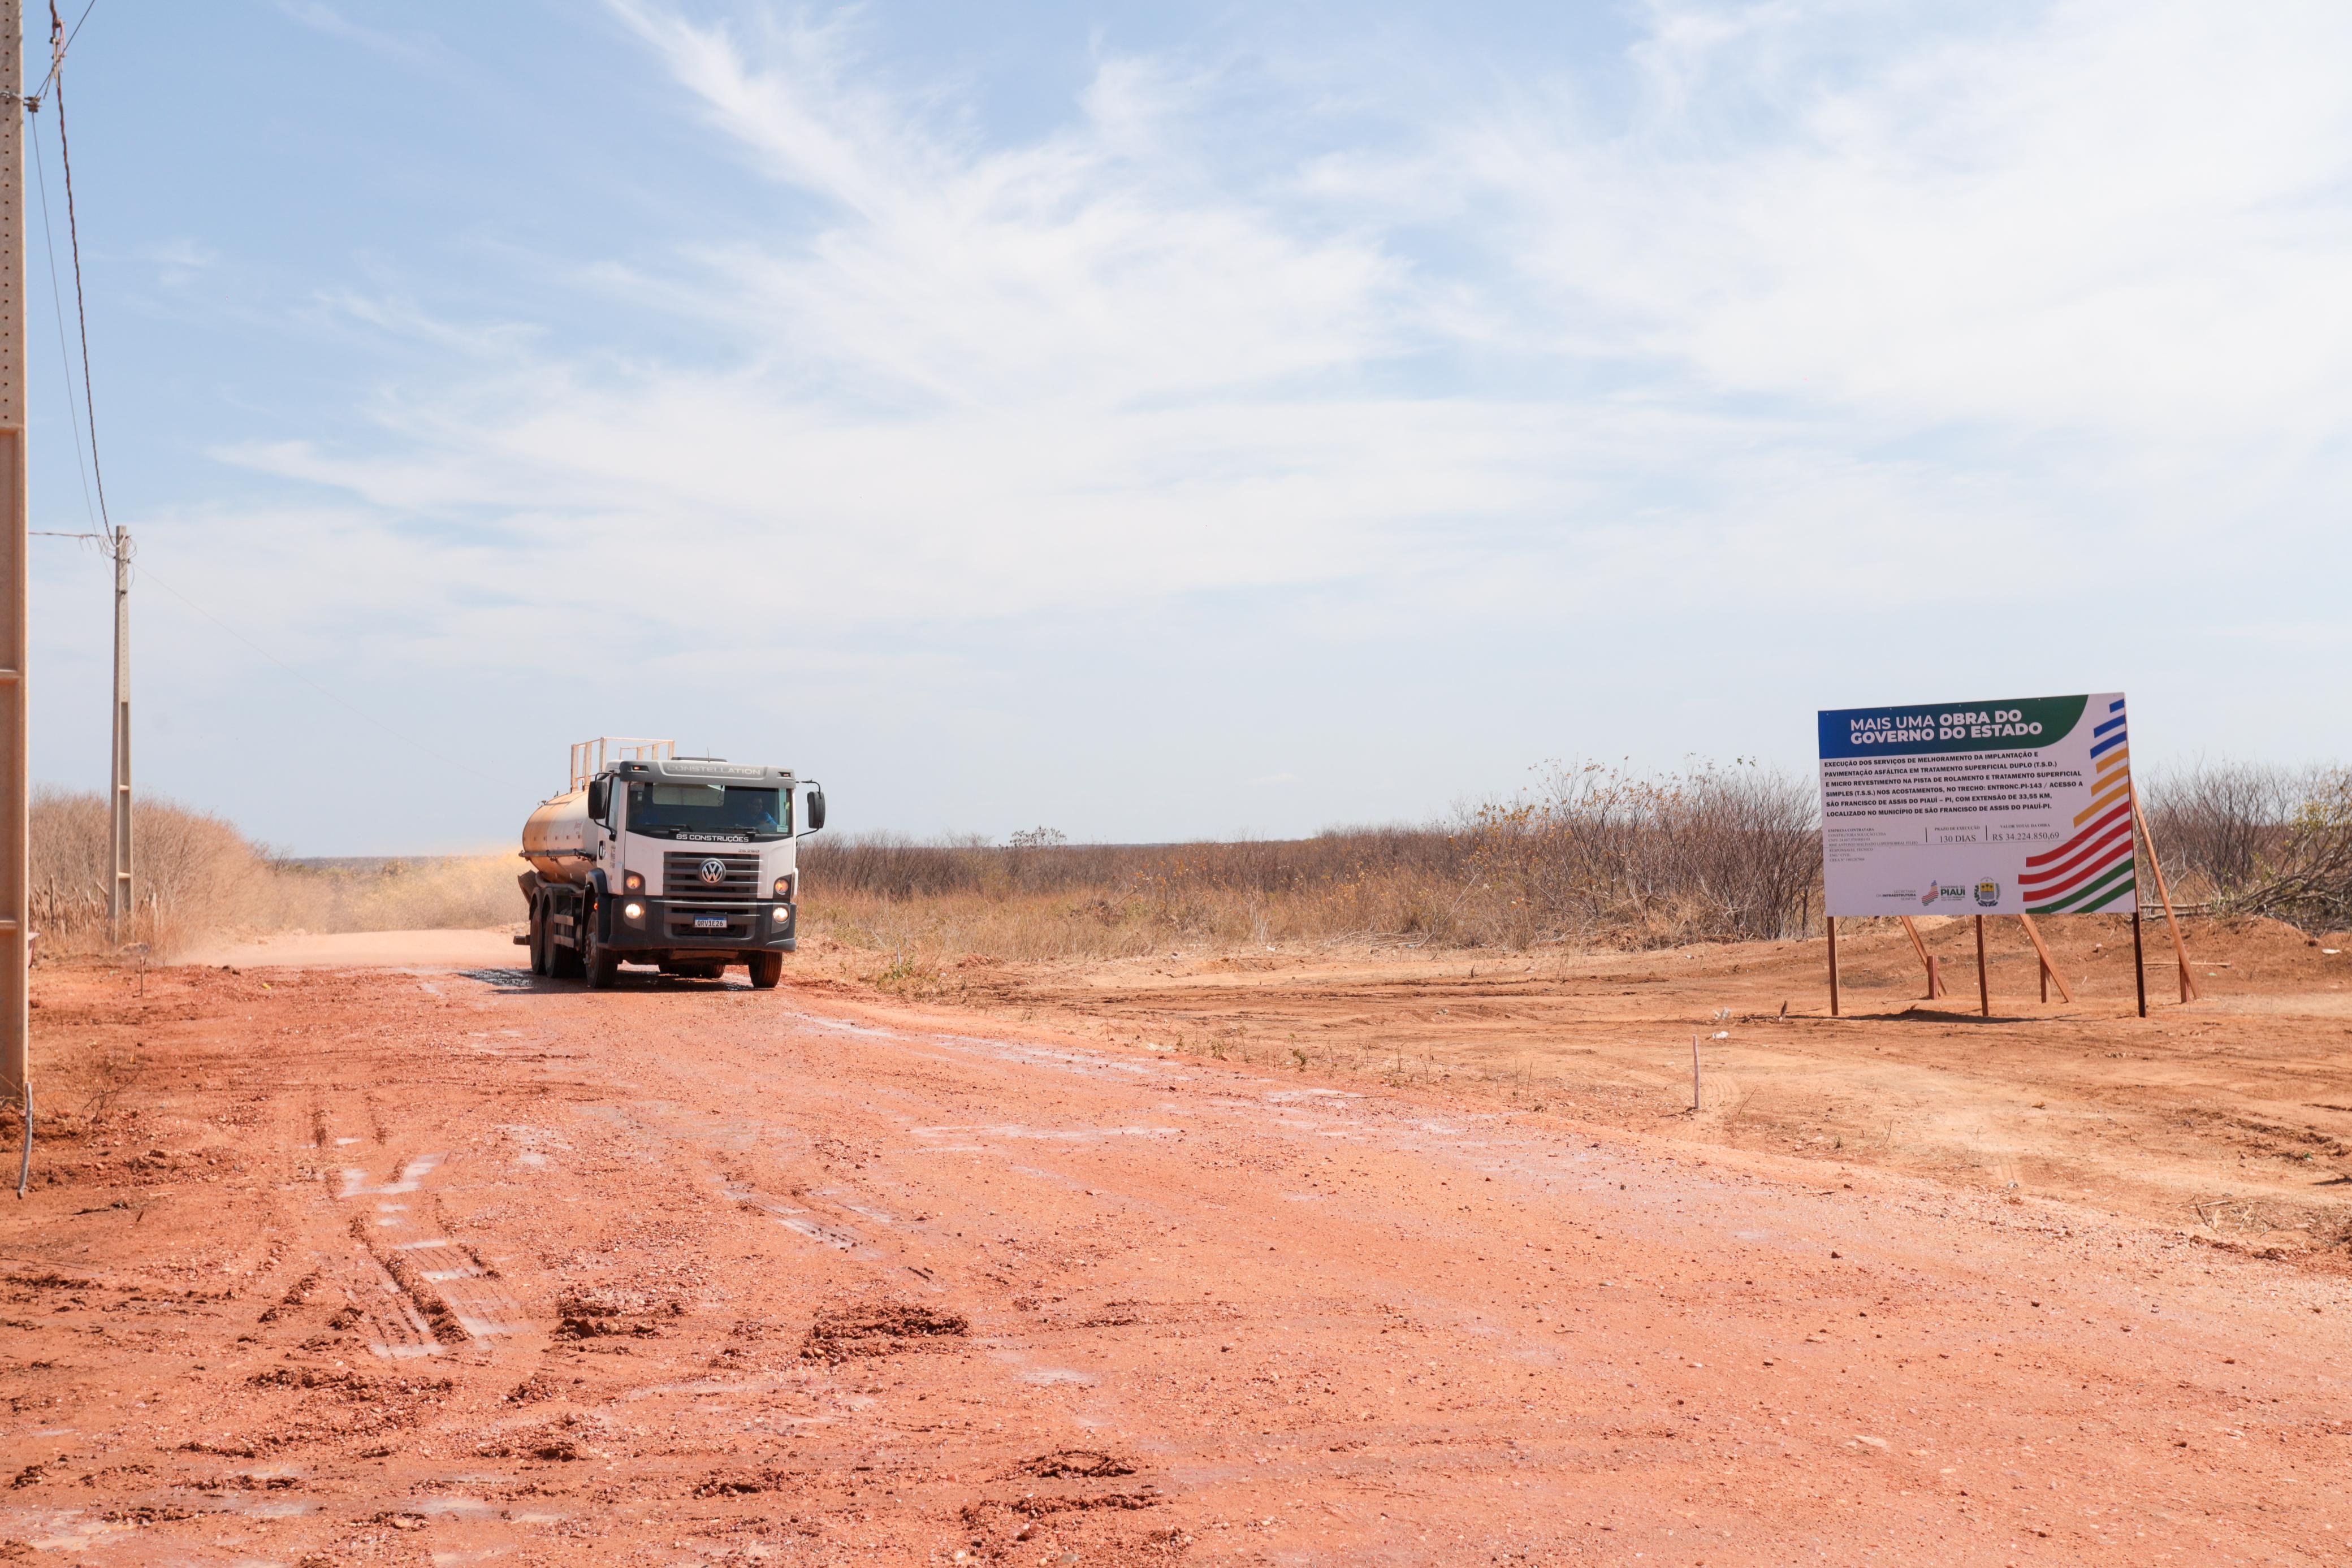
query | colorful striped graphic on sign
(2096,866)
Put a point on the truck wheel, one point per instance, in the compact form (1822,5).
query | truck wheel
(766,969)
(598,964)
(538,965)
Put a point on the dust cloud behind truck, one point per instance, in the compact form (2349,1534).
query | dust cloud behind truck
(686,864)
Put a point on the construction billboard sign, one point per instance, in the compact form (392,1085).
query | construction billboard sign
(2021,806)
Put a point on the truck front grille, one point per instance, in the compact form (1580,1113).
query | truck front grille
(739,877)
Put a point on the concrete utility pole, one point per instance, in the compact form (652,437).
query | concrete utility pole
(119,908)
(16,777)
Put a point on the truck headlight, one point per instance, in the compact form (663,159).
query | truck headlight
(784,886)
(634,883)
(780,915)
(632,912)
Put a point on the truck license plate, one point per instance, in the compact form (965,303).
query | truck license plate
(710,922)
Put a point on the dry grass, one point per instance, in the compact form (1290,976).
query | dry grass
(1098,901)
(199,879)
(1591,857)
(186,861)
(1587,857)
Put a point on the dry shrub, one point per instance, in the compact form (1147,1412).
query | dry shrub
(1591,856)
(196,878)
(188,864)
(2247,839)
(1603,857)
(1052,900)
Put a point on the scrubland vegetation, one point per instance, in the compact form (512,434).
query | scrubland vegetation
(2243,839)
(199,878)
(1587,857)
(1591,856)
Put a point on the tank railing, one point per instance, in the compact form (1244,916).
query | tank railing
(589,757)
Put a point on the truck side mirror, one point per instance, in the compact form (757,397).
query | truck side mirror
(813,807)
(599,795)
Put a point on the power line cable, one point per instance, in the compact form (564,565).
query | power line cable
(58,304)
(82,311)
(57,60)
(107,533)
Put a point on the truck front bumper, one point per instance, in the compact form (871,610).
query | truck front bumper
(686,926)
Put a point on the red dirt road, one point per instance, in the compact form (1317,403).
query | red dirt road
(453,1268)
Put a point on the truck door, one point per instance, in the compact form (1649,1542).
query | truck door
(601,810)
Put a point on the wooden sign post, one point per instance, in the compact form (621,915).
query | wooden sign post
(1927,960)
(2047,966)
(2164,895)
(2049,970)
(2139,967)
(1984,981)
(1831,922)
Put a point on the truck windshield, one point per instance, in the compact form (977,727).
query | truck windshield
(662,809)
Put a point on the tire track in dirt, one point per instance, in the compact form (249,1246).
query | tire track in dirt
(818,1284)
(1807,1226)
(451,1292)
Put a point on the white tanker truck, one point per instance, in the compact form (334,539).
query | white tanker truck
(683,862)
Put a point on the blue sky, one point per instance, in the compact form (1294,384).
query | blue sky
(1169,420)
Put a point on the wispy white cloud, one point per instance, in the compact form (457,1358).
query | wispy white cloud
(1831,294)
(180,261)
(322,18)
(403,48)
(403,320)
(2090,215)
(1096,267)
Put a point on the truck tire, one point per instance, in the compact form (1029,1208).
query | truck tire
(599,966)
(538,965)
(766,969)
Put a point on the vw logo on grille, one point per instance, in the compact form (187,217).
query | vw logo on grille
(714,872)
